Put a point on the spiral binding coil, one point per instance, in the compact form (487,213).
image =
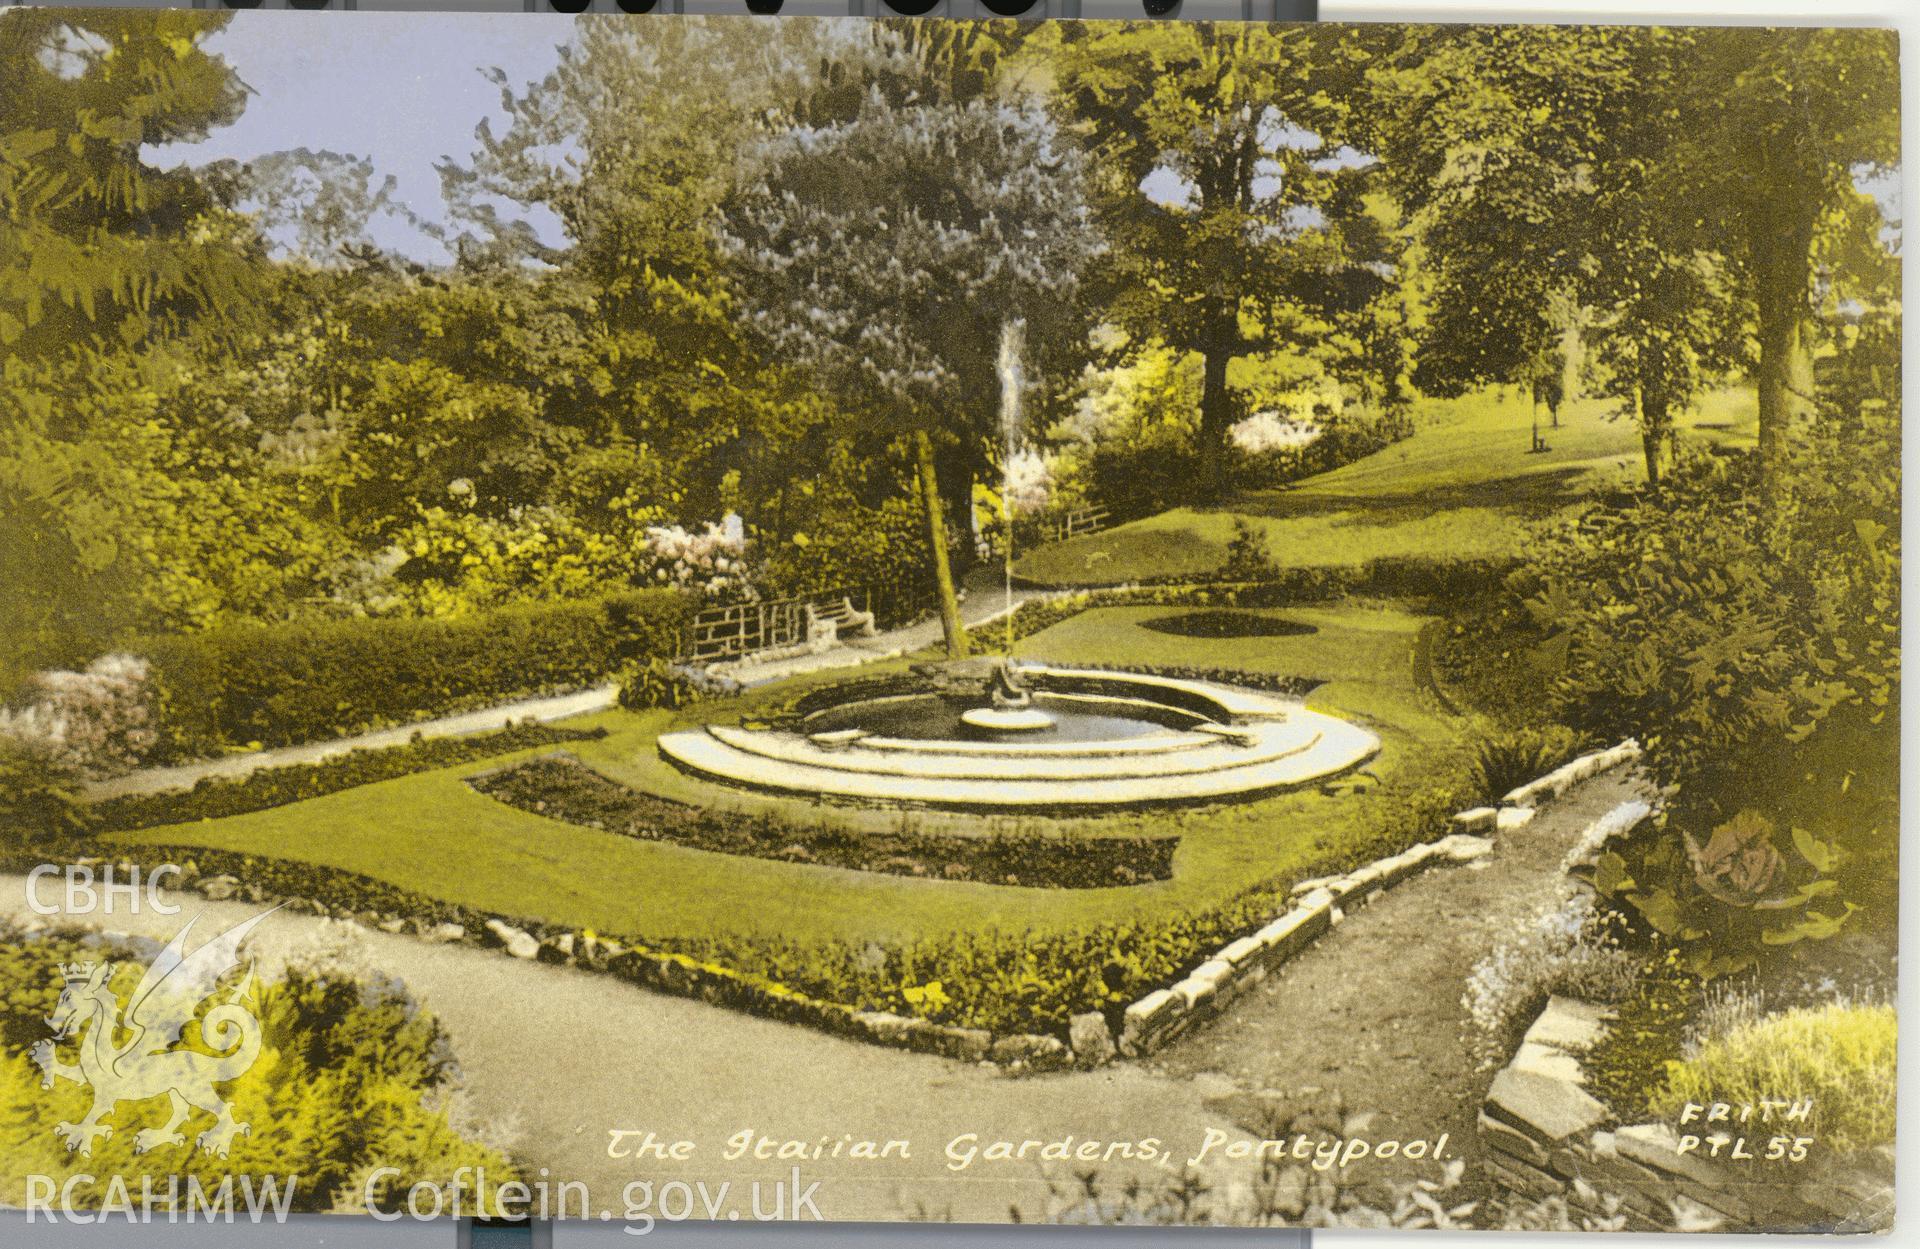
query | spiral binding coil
(1189,10)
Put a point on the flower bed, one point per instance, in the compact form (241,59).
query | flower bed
(563,788)
(217,797)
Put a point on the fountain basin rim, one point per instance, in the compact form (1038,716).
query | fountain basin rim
(1147,744)
(1325,745)
(1200,700)
(1273,743)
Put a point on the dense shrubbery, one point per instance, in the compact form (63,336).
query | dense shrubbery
(564,789)
(354,1076)
(858,523)
(1746,629)
(218,797)
(39,794)
(659,682)
(1509,758)
(307,681)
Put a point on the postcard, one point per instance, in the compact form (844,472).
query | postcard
(833,619)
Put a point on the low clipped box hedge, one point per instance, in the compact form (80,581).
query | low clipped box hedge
(305,681)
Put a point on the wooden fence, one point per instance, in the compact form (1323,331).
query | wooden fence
(749,628)
(1081,520)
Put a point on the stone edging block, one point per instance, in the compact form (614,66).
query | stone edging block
(1166,1013)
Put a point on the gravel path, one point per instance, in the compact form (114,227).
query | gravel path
(1373,1009)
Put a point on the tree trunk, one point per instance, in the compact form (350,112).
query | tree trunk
(1781,242)
(1655,420)
(1216,417)
(950,626)
(955,465)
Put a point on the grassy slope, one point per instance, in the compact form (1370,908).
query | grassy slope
(430,832)
(1462,486)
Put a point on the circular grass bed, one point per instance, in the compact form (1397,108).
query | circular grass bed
(1227,624)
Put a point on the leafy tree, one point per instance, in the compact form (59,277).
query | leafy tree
(1774,128)
(888,253)
(102,257)
(1489,136)
(629,146)
(1215,153)
(1670,178)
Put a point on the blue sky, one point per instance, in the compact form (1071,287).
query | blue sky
(404,89)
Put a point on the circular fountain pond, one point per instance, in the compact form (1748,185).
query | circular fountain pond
(1037,738)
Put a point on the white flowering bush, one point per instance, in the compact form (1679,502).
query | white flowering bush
(1029,482)
(95,722)
(711,562)
(1563,947)
(1274,430)
(451,561)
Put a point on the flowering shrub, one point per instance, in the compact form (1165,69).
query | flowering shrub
(711,562)
(96,722)
(1563,947)
(453,560)
(1273,430)
(1029,482)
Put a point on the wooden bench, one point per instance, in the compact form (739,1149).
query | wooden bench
(841,614)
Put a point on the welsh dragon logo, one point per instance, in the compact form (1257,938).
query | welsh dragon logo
(148,1063)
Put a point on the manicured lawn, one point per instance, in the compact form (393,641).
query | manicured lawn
(432,833)
(1463,486)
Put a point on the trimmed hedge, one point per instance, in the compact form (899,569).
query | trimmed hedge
(1388,576)
(562,788)
(216,798)
(307,681)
